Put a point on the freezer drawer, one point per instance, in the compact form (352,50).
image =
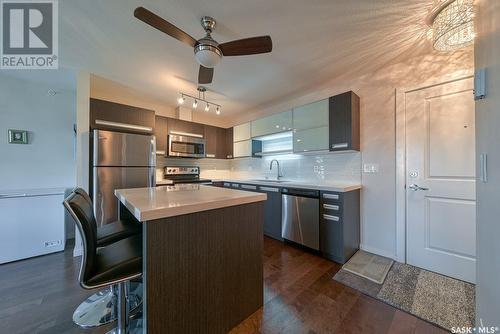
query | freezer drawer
(107,179)
(300,220)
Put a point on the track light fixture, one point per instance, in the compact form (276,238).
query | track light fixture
(201,97)
(180,100)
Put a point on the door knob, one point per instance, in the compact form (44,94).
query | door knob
(416,187)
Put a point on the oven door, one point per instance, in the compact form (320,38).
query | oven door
(186,146)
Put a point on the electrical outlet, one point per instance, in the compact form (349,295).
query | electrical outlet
(53,243)
(370,168)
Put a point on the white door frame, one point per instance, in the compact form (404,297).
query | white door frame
(401,217)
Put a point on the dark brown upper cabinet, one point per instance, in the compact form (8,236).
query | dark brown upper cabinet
(216,142)
(344,122)
(229,143)
(161,132)
(178,125)
(211,141)
(106,115)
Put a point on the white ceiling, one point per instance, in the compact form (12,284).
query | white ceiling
(314,41)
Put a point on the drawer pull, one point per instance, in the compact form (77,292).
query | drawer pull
(330,196)
(331,218)
(331,207)
(340,145)
(245,186)
(235,185)
(210,155)
(227,184)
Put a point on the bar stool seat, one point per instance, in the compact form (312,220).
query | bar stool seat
(120,259)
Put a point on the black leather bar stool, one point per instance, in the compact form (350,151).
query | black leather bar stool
(117,263)
(99,309)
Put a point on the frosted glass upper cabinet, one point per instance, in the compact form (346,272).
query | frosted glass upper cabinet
(311,127)
(241,132)
(314,139)
(312,115)
(272,124)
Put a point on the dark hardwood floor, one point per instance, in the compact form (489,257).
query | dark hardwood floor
(39,295)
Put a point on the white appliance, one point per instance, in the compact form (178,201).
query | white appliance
(32,223)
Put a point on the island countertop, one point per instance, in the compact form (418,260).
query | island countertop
(169,201)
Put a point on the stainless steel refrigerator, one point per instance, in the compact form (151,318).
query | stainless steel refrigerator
(120,160)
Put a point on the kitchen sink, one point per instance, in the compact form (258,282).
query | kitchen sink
(271,181)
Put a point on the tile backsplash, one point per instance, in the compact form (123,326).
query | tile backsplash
(315,168)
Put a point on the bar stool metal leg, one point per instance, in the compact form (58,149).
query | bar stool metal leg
(125,325)
(100,308)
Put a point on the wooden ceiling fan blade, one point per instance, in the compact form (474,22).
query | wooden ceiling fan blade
(161,24)
(205,75)
(247,46)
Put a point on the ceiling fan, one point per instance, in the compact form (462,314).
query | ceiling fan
(206,50)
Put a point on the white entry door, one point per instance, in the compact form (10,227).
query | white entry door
(440,179)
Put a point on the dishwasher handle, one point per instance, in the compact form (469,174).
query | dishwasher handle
(301,192)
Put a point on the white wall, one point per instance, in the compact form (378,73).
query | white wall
(487,55)
(49,160)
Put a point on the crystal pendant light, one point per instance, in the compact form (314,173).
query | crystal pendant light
(452,23)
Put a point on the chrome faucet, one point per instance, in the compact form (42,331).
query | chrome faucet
(271,168)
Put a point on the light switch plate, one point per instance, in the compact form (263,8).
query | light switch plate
(370,168)
(480,84)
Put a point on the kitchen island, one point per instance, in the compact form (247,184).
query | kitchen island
(202,256)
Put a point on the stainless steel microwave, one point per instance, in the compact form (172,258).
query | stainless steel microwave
(186,145)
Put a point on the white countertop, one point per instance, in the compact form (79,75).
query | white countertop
(169,201)
(336,187)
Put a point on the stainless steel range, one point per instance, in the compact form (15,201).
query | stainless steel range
(179,175)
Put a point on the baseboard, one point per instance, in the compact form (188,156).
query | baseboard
(78,251)
(377,251)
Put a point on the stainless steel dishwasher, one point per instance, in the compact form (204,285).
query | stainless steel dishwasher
(300,216)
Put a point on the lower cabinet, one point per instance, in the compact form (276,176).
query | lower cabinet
(272,206)
(339,225)
(272,212)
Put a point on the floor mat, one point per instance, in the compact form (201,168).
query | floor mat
(441,300)
(370,266)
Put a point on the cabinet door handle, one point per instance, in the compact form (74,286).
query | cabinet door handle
(340,145)
(331,207)
(330,196)
(210,155)
(227,184)
(331,218)
(235,185)
(124,125)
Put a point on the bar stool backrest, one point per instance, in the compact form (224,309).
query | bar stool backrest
(81,210)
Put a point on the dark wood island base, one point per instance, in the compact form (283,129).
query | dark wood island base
(203,271)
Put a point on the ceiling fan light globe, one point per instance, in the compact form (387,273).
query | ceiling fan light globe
(207,58)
